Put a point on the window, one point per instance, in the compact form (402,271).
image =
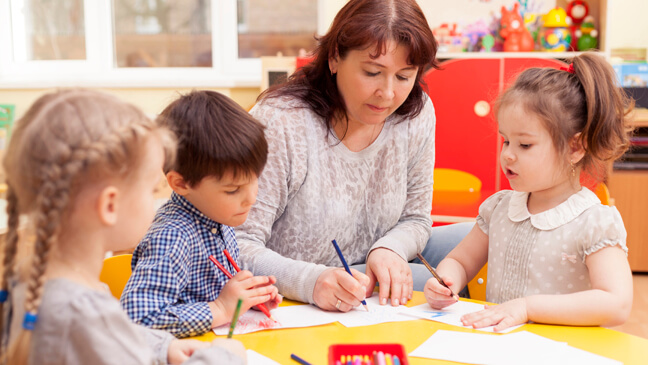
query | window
(267,28)
(149,43)
(49,30)
(172,33)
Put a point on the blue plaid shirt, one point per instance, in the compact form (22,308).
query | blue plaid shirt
(173,278)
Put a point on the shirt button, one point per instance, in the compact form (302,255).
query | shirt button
(214,230)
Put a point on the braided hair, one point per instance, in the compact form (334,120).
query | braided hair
(66,140)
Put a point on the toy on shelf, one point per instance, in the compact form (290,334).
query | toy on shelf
(554,35)
(587,35)
(448,37)
(577,11)
(487,42)
(533,22)
(517,37)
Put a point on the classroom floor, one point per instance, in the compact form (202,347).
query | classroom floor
(637,324)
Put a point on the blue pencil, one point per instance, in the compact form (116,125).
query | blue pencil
(346,266)
(299,359)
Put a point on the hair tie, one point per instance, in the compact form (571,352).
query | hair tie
(569,69)
(30,321)
(3,296)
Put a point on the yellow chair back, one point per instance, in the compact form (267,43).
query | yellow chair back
(455,180)
(603,193)
(477,286)
(116,271)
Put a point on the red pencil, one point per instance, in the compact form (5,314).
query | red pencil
(222,268)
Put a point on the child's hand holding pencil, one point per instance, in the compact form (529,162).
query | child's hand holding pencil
(253,290)
(437,289)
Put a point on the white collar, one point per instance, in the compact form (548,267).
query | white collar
(555,217)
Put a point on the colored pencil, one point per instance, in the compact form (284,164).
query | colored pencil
(346,266)
(436,276)
(235,318)
(299,359)
(222,268)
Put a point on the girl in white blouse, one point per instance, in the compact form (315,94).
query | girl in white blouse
(555,253)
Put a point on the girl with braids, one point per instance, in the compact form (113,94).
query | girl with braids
(84,167)
(555,253)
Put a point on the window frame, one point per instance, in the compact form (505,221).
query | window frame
(100,70)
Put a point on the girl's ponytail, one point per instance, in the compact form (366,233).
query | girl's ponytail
(604,134)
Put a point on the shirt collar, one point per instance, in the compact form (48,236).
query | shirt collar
(194,213)
(555,217)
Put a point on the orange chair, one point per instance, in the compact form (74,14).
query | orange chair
(477,286)
(602,192)
(115,272)
(455,180)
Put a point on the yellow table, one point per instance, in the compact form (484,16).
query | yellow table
(312,343)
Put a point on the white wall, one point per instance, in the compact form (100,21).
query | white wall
(627,23)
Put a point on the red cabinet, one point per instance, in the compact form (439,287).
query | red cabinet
(463,91)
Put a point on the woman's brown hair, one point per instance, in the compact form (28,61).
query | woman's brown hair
(585,99)
(66,140)
(358,25)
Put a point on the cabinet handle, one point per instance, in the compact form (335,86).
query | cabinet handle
(482,108)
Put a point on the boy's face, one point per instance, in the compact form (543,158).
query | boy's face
(226,200)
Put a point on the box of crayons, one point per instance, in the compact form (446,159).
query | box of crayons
(367,354)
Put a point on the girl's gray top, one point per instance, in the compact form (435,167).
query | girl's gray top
(79,325)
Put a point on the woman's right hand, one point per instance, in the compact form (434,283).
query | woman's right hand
(336,284)
(437,295)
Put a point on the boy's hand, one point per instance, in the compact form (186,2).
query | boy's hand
(437,295)
(273,303)
(254,290)
(501,316)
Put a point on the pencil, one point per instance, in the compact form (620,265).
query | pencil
(436,276)
(235,318)
(346,267)
(222,268)
(299,359)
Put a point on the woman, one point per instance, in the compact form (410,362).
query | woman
(351,142)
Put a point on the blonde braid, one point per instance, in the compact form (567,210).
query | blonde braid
(67,140)
(10,249)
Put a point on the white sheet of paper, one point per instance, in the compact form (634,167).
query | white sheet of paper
(255,358)
(516,348)
(377,314)
(450,314)
(578,356)
(288,317)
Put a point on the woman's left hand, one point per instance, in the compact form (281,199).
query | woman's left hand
(392,273)
(501,316)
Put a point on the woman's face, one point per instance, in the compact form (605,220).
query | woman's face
(372,89)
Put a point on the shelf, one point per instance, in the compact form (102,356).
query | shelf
(558,55)
(640,118)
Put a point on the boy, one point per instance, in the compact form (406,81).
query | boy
(174,286)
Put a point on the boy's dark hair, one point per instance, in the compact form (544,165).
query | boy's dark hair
(215,136)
